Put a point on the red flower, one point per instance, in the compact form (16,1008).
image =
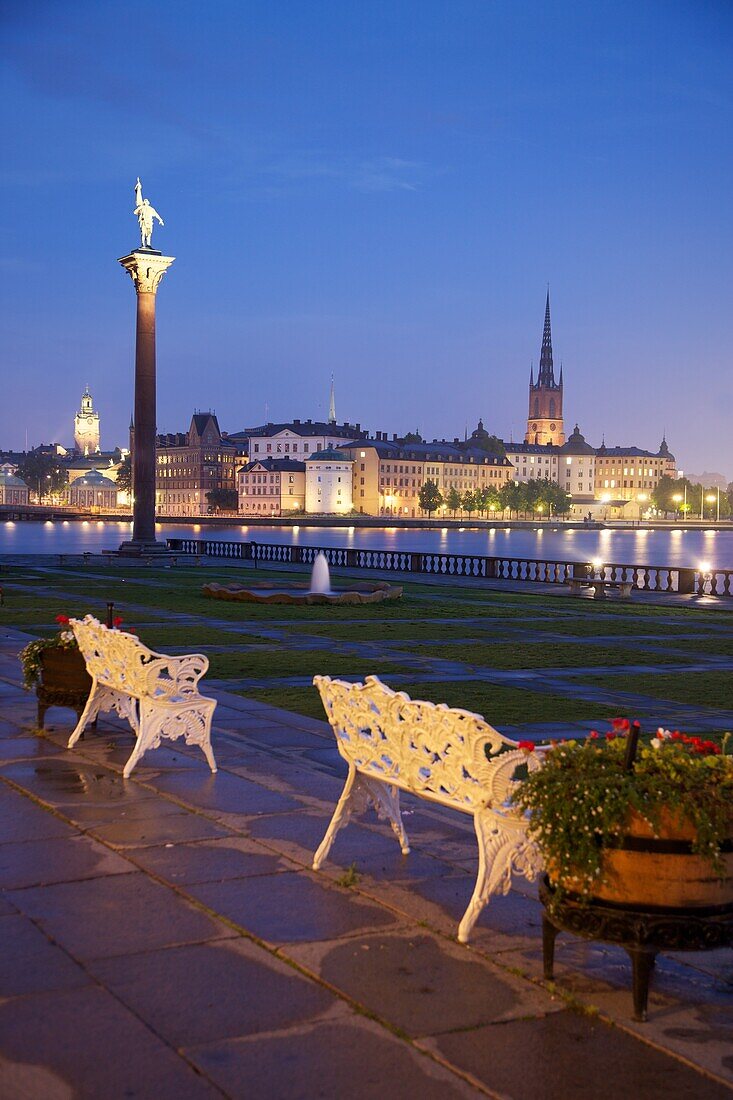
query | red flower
(611,735)
(526,746)
(621,725)
(63,619)
(117,621)
(593,735)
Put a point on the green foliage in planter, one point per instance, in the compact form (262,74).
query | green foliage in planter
(30,657)
(581,798)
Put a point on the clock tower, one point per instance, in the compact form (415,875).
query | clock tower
(544,420)
(86,426)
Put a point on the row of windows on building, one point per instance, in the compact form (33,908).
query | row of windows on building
(284,448)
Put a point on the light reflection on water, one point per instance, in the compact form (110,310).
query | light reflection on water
(642,547)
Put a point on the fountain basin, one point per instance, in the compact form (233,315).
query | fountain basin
(302,593)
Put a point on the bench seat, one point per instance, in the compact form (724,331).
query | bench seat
(157,694)
(452,757)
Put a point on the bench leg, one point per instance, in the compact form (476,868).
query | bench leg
(386,801)
(497,851)
(341,815)
(88,715)
(359,792)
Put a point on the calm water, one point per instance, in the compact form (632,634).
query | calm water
(685,548)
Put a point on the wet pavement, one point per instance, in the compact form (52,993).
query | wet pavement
(165,936)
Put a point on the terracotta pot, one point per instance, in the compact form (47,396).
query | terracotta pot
(643,870)
(64,670)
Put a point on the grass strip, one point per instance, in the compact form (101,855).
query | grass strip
(500,705)
(699,689)
(542,655)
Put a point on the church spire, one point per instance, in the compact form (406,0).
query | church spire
(332,405)
(546,374)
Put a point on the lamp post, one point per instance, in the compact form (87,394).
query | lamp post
(704,568)
(710,498)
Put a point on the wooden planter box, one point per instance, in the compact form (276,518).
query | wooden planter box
(64,681)
(661,872)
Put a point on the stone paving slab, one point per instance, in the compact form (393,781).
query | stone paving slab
(563,1054)
(165,936)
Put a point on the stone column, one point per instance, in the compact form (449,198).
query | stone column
(146,268)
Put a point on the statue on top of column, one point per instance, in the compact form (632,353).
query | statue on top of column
(145,214)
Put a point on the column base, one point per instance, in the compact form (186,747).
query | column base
(143,548)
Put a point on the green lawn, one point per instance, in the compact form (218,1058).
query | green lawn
(704,689)
(197,635)
(500,705)
(477,627)
(504,655)
(282,662)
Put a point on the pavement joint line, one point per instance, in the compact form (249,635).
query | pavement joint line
(244,933)
(280,954)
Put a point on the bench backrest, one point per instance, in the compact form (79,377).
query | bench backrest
(120,661)
(448,755)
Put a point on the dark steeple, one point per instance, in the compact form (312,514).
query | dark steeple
(546,376)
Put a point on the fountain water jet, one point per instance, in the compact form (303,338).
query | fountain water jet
(320,575)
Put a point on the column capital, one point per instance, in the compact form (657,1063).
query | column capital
(146,268)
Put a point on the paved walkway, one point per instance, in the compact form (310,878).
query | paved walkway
(164,936)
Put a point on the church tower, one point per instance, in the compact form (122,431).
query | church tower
(544,419)
(86,426)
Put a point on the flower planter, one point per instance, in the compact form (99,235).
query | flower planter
(663,871)
(64,680)
(644,870)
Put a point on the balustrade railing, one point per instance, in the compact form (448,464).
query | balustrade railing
(646,578)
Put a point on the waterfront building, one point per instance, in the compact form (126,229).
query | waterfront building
(94,491)
(298,439)
(12,489)
(271,487)
(188,465)
(86,426)
(105,462)
(328,483)
(631,473)
(534,461)
(388,474)
(545,415)
(576,467)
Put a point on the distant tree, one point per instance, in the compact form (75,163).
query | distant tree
(124,475)
(670,495)
(43,473)
(453,500)
(511,497)
(491,444)
(663,493)
(429,497)
(559,499)
(413,437)
(222,500)
(469,502)
(490,500)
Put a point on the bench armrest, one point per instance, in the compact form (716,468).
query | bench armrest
(171,677)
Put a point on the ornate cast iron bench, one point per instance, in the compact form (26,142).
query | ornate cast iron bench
(158,695)
(452,757)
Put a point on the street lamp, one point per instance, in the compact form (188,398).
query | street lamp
(710,498)
(705,575)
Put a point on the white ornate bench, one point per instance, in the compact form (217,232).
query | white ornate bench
(452,757)
(157,694)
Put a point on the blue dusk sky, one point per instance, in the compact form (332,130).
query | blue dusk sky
(380,190)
